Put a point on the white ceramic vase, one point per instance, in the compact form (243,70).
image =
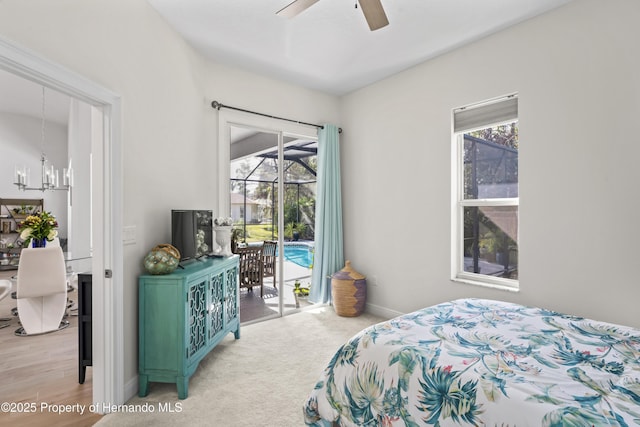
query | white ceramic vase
(223,239)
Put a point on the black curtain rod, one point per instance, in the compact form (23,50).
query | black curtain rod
(217,105)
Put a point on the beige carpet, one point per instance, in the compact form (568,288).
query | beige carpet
(262,379)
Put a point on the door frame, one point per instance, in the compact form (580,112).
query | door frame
(107,319)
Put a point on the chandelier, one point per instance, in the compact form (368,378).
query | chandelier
(50,175)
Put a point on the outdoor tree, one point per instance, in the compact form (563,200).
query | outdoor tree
(243,170)
(506,135)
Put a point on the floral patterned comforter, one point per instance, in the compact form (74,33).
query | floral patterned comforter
(485,363)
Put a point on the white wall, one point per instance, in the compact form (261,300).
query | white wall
(21,144)
(169,130)
(576,71)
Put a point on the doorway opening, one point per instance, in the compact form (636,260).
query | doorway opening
(105,203)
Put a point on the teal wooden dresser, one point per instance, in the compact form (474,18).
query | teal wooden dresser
(182,316)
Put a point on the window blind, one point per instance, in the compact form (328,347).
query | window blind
(480,115)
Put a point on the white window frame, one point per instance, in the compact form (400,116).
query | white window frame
(458,274)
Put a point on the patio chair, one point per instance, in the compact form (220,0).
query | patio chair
(269,257)
(251,268)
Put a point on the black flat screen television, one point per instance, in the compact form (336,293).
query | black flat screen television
(192,232)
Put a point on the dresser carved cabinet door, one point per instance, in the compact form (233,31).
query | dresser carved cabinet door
(197,309)
(232,301)
(216,306)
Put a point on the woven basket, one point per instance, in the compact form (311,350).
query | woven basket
(348,291)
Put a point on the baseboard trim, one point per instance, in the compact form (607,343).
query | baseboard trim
(385,312)
(131,388)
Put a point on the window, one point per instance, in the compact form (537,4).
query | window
(485,230)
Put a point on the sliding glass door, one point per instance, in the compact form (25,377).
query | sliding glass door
(272,178)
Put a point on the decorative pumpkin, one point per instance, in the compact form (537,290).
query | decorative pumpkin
(162,259)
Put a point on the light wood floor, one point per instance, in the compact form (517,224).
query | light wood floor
(42,370)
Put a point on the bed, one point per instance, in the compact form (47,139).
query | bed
(482,362)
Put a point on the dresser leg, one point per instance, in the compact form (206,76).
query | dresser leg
(183,387)
(143,385)
(236,333)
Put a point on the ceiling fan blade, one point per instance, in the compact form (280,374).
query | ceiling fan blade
(374,14)
(295,7)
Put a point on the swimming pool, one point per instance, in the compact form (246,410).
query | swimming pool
(299,254)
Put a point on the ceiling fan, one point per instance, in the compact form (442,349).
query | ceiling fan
(372,9)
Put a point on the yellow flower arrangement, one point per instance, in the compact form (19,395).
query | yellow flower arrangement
(39,226)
